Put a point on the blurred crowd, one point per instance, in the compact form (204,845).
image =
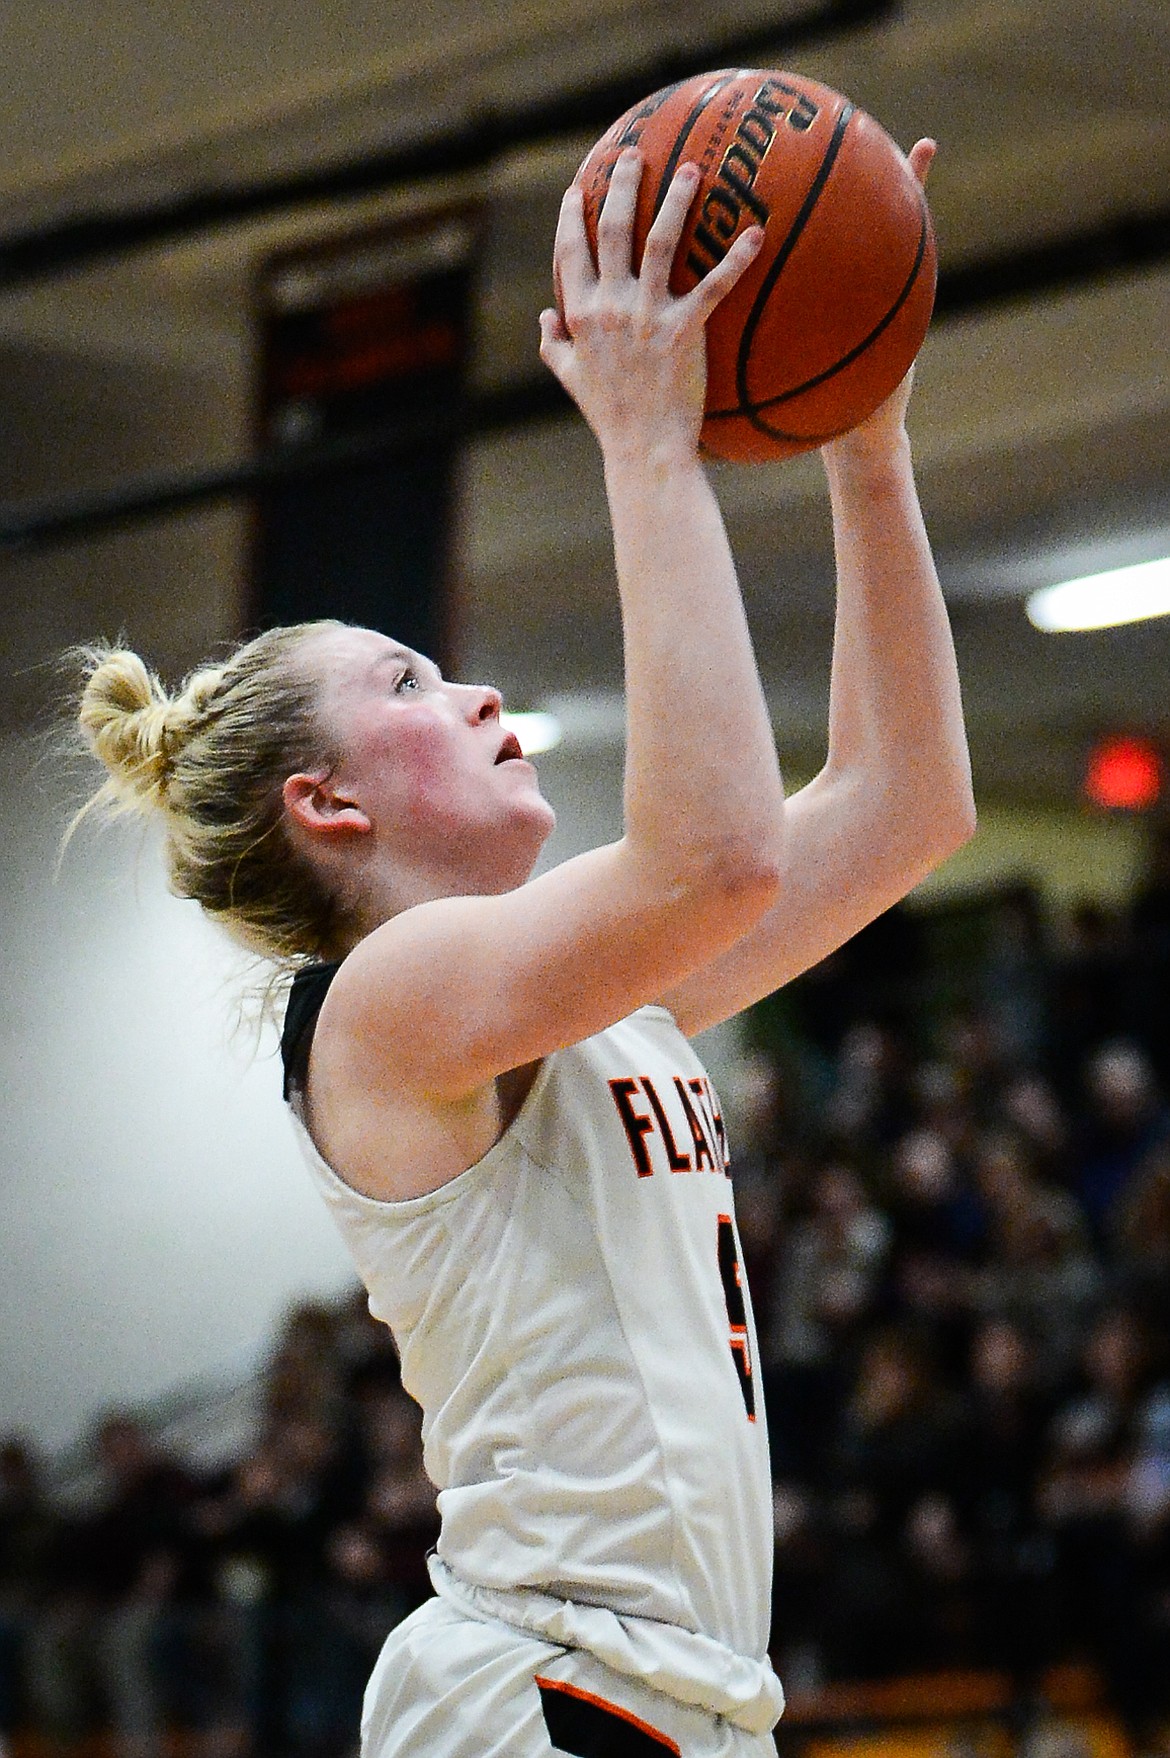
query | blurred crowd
(957,1225)
(246,1604)
(952,1159)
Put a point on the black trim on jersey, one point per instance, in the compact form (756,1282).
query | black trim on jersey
(586,1729)
(305,1000)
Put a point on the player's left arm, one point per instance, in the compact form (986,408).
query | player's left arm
(894,798)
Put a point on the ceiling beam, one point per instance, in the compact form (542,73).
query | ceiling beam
(50,250)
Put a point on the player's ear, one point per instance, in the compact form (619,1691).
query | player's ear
(314,803)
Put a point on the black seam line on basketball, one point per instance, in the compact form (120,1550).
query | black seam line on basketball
(848,359)
(754,409)
(683,135)
(785,251)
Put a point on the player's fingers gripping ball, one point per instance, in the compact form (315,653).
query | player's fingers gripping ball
(827,320)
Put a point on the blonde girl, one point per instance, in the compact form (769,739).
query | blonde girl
(490,1072)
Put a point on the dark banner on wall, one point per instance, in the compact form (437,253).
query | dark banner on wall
(363,334)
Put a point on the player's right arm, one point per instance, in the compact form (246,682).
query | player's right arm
(455,991)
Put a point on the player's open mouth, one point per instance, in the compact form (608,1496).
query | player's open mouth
(509,750)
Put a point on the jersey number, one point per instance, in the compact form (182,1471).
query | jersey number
(732,1275)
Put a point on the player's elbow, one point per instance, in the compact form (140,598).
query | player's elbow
(719,885)
(947,828)
(930,806)
(955,819)
(966,823)
(909,831)
(744,879)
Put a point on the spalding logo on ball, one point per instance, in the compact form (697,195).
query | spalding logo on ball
(827,320)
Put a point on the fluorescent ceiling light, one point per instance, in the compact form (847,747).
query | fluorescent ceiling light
(1101,601)
(536,732)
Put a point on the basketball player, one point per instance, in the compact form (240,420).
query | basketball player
(490,1072)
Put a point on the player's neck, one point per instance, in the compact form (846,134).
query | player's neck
(391,887)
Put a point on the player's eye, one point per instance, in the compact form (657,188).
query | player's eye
(407,679)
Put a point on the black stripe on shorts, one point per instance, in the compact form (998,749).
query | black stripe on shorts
(588,1727)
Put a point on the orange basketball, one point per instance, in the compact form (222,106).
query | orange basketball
(828,318)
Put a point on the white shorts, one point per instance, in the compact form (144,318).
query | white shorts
(449,1686)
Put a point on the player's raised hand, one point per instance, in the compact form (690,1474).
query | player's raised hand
(629,352)
(887,425)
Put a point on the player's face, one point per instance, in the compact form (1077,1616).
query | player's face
(428,761)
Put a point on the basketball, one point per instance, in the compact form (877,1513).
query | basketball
(827,320)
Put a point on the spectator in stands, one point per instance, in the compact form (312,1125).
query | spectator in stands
(1149,925)
(398,1508)
(824,1289)
(1040,1270)
(1139,1242)
(938,1564)
(929,1204)
(1089,1002)
(94,1647)
(27,1531)
(867,1102)
(267,1527)
(1097,1446)
(1029,1109)
(303,1377)
(798,1578)
(1005,1417)
(1015,979)
(892,1462)
(937,1226)
(1125,1118)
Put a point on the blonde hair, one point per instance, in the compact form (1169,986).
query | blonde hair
(210,761)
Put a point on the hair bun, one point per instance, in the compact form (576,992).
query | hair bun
(211,760)
(127,718)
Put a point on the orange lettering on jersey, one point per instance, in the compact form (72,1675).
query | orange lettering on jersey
(705,1093)
(698,1087)
(677,1161)
(636,1124)
(699,1136)
(720,1132)
(733,1291)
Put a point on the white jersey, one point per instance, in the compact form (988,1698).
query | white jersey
(571,1317)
